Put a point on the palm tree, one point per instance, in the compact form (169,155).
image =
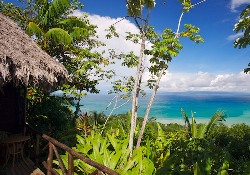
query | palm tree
(204,129)
(52,26)
(67,38)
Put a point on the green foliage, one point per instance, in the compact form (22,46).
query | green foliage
(243,26)
(112,32)
(49,114)
(202,130)
(193,152)
(55,8)
(186,5)
(191,32)
(111,152)
(192,156)
(68,39)
(118,125)
(167,149)
(86,123)
(235,140)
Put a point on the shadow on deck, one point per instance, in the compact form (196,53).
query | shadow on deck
(21,168)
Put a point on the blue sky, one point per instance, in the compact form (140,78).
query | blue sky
(212,66)
(215,19)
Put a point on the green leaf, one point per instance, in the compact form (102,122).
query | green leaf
(33,29)
(59,35)
(193,126)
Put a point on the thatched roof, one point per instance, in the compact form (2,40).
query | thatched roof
(22,61)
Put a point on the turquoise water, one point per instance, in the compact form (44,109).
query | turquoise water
(166,107)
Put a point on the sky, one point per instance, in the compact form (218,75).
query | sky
(214,65)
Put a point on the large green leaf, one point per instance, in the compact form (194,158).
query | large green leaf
(59,35)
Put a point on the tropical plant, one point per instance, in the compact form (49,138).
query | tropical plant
(69,39)
(92,121)
(196,152)
(202,130)
(111,152)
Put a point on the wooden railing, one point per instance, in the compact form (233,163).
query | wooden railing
(53,144)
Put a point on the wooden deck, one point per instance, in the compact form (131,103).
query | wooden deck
(21,168)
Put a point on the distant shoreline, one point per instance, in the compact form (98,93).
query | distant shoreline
(228,122)
(166,107)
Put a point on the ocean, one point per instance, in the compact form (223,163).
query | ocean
(167,106)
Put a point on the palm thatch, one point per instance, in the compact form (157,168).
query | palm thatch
(22,61)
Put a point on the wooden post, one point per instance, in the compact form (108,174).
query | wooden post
(61,165)
(80,156)
(50,159)
(70,165)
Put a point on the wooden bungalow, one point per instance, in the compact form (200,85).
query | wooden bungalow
(23,63)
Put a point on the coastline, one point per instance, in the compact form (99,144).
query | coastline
(229,121)
(166,107)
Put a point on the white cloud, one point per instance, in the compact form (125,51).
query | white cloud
(204,81)
(237,3)
(235,36)
(104,22)
(180,81)
(118,44)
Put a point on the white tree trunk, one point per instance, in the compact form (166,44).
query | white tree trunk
(136,91)
(156,86)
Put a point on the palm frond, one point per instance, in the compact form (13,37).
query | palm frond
(71,22)
(218,116)
(161,134)
(186,120)
(59,35)
(33,29)
(201,130)
(193,126)
(56,9)
(79,33)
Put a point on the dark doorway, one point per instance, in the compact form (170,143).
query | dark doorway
(12,107)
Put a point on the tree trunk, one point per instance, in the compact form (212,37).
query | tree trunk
(156,86)
(136,92)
